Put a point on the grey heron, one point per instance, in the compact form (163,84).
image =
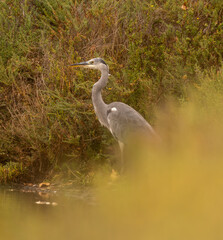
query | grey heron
(118,117)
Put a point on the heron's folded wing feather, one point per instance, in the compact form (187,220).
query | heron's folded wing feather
(123,120)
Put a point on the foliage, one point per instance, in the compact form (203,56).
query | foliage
(11,171)
(154,50)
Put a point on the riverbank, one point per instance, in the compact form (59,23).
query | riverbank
(156,51)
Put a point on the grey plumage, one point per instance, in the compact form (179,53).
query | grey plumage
(118,117)
(126,120)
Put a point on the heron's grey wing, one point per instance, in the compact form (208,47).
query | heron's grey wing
(124,120)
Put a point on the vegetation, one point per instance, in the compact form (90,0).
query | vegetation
(155,50)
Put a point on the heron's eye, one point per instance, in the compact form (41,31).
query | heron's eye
(91,62)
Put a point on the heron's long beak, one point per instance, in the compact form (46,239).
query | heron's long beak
(81,64)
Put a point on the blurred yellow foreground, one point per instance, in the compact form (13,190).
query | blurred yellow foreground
(174,191)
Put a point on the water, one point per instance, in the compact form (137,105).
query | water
(29,214)
(161,201)
(33,197)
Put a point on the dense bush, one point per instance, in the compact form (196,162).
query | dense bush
(155,49)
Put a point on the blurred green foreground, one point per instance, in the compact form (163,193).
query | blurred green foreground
(174,191)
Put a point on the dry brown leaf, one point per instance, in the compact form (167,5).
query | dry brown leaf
(44,184)
(42,203)
(184,7)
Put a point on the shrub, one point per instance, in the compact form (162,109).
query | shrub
(153,48)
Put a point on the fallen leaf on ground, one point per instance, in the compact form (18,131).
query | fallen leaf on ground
(44,184)
(184,7)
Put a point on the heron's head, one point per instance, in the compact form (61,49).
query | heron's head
(94,63)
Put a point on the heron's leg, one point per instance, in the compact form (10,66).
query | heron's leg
(121,145)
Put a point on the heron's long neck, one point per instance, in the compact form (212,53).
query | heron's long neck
(100,106)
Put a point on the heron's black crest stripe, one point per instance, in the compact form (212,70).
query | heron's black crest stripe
(102,61)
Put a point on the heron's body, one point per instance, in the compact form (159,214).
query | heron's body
(118,117)
(124,120)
